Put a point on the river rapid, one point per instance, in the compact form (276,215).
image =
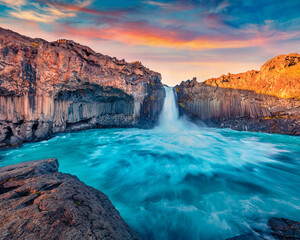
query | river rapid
(179,180)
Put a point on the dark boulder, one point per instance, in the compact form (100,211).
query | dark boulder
(38,202)
(279,228)
(283,228)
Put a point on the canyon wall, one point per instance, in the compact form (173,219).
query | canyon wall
(236,101)
(280,77)
(51,87)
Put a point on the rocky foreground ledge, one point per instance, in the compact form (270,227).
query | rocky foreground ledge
(38,202)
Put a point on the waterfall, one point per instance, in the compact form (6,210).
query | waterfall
(169,118)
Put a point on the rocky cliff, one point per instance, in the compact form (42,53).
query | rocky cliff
(38,202)
(248,101)
(278,77)
(51,87)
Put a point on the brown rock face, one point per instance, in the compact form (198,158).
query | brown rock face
(47,88)
(224,103)
(38,202)
(278,77)
(35,66)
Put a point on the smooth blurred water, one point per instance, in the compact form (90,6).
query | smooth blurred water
(180,181)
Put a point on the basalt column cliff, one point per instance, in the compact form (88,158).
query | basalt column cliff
(51,87)
(261,101)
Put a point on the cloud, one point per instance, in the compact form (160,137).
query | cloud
(213,21)
(155,38)
(43,11)
(28,28)
(14,3)
(185,5)
(222,6)
(81,6)
(42,14)
(169,6)
(158,4)
(144,34)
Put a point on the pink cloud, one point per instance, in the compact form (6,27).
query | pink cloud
(131,33)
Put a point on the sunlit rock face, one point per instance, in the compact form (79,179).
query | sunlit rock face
(278,77)
(47,88)
(234,101)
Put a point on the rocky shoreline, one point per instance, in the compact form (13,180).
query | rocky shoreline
(38,202)
(222,102)
(62,86)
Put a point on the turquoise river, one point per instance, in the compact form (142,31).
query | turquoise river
(179,180)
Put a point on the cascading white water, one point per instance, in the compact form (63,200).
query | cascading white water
(180,181)
(169,118)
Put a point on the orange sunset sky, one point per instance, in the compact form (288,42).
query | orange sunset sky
(179,39)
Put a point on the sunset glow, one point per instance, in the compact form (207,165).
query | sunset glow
(176,38)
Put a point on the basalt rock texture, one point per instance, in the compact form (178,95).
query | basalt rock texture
(50,87)
(38,202)
(278,77)
(218,105)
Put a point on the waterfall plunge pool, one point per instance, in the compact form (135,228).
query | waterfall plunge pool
(180,181)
